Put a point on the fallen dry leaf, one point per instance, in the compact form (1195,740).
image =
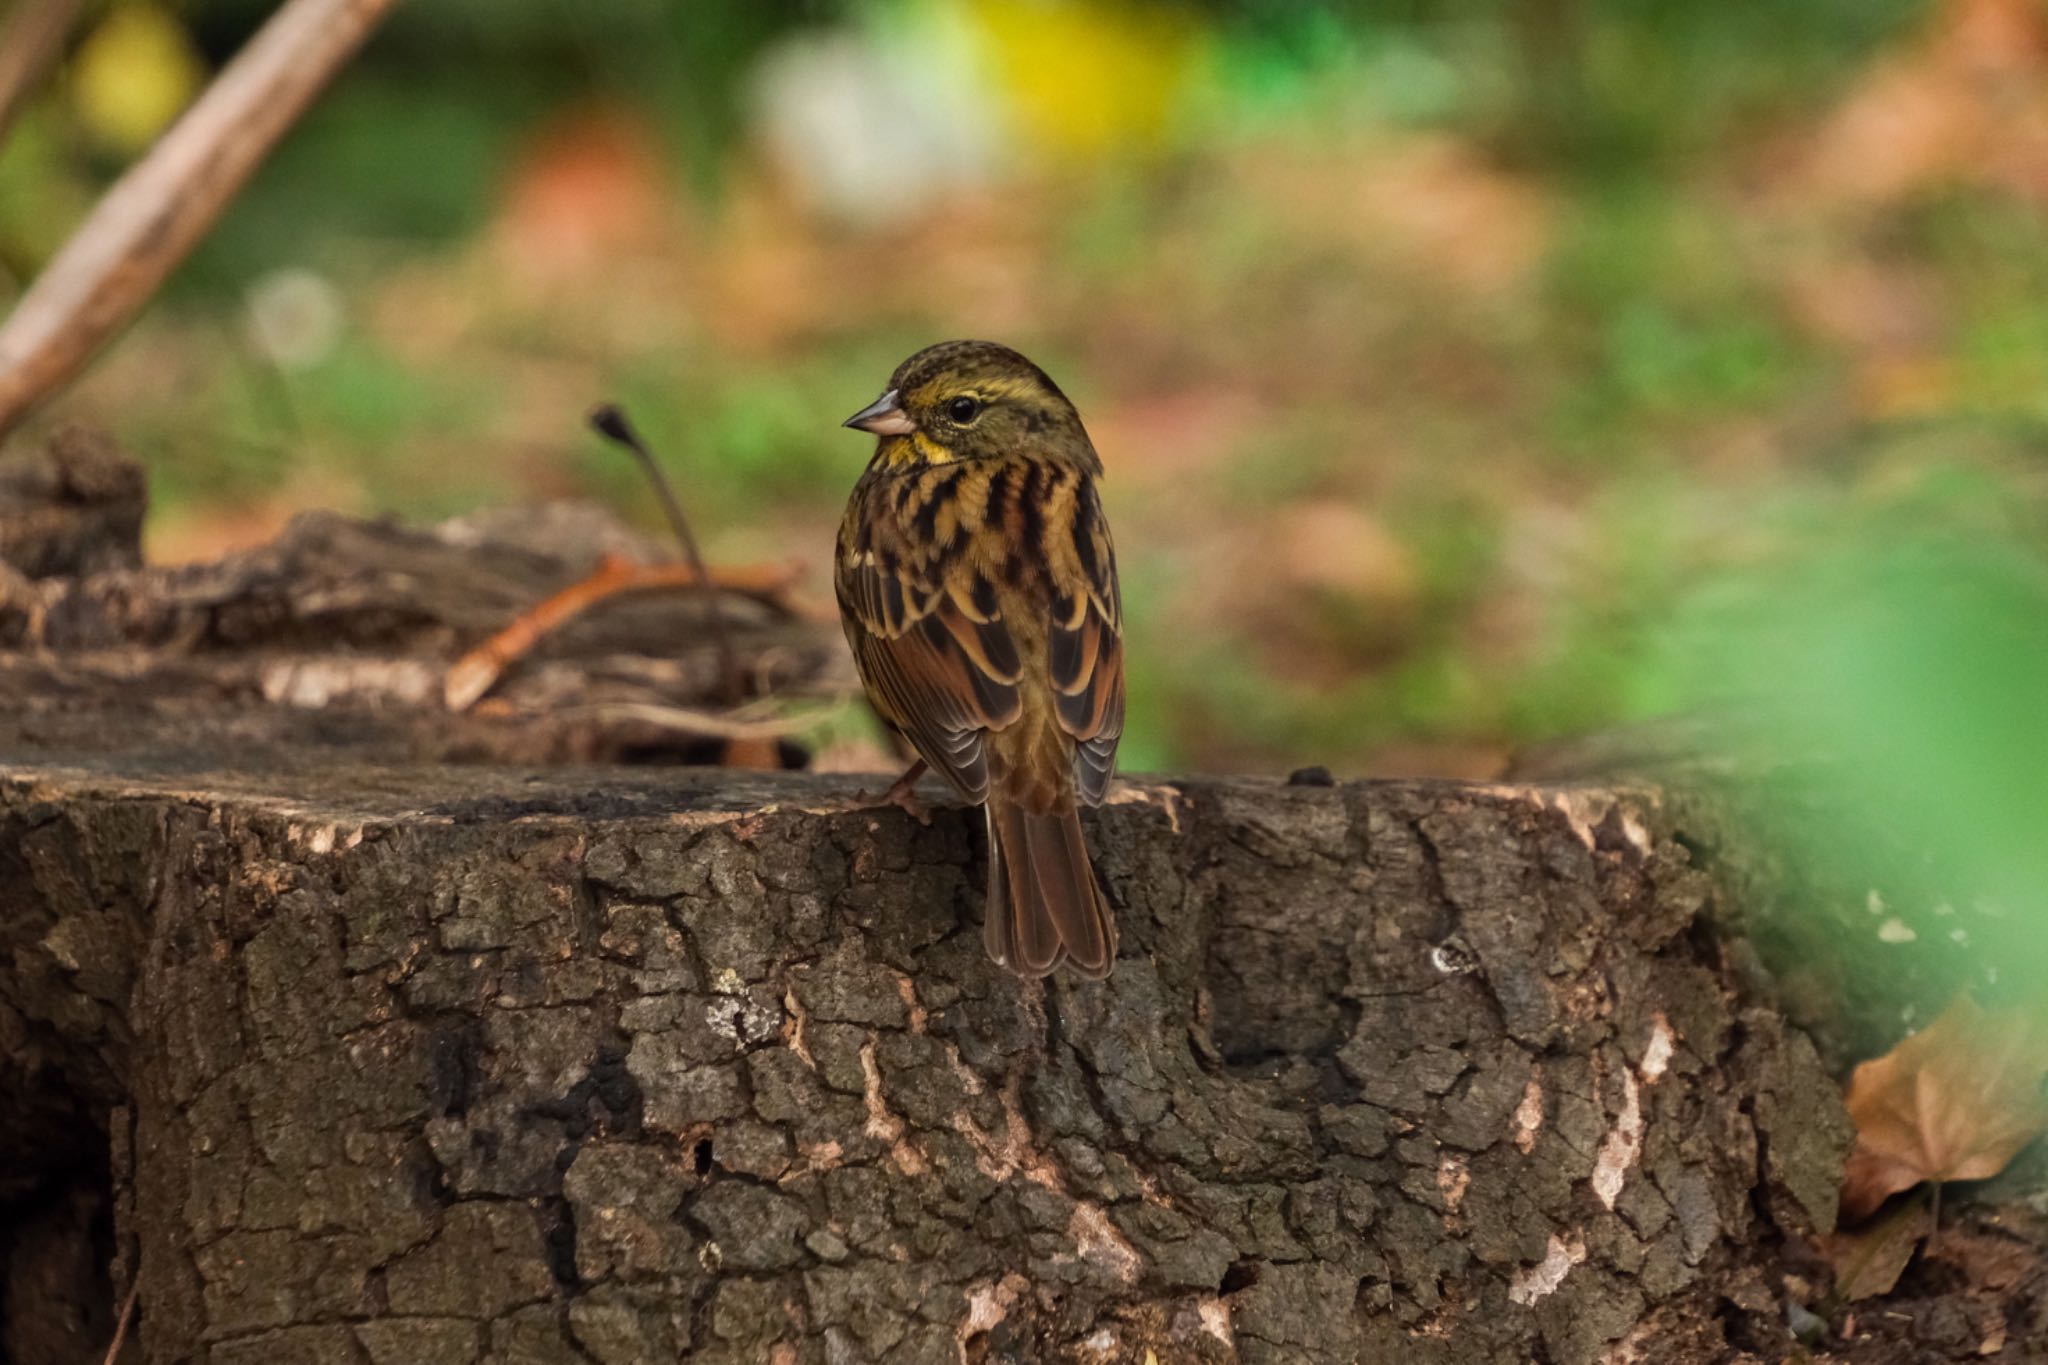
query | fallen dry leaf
(1868,1262)
(1955,1101)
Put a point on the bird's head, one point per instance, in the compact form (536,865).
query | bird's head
(966,400)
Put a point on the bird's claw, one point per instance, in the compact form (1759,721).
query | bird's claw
(902,794)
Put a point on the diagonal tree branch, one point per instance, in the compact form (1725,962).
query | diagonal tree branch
(152,217)
(30,40)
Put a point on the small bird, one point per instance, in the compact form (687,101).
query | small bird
(978,589)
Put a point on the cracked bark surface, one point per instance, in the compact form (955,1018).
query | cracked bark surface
(343,1053)
(404,1063)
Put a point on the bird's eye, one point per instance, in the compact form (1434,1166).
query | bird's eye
(964,409)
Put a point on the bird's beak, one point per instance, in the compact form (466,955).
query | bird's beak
(884,417)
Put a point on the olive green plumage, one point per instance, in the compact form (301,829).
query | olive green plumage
(978,588)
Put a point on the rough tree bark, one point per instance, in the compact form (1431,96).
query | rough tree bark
(346,1053)
(476,1064)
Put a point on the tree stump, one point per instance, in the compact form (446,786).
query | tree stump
(462,1064)
(345,1033)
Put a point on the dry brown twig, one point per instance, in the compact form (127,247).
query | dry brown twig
(478,671)
(153,215)
(121,1324)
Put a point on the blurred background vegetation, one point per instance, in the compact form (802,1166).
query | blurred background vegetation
(1468,372)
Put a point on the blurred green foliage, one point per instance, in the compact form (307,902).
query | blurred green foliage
(1644,386)
(1875,696)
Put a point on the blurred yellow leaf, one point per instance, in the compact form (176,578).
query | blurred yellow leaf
(135,73)
(1956,1101)
(1084,78)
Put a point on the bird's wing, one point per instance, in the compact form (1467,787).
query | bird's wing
(1086,647)
(937,658)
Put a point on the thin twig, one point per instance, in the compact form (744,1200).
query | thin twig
(478,671)
(29,42)
(152,217)
(685,720)
(609,421)
(121,1324)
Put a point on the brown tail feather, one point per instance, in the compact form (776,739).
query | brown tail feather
(1043,901)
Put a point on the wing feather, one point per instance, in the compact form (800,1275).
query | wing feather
(1085,651)
(942,663)
(941,677)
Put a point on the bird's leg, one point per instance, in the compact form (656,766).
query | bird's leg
(902,794)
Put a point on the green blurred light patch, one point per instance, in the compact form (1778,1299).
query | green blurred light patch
(369,396)
(739,439)
(1661,319)
(379,165)
(42,194)
(1883,690)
